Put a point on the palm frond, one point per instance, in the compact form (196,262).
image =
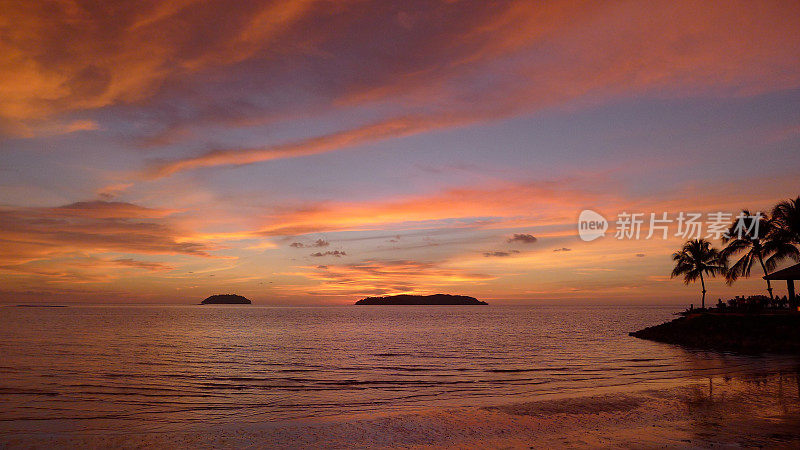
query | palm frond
(695,258)
(786,220)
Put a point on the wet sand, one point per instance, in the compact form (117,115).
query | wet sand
(742,410)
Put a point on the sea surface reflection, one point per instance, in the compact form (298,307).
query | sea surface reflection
(95,368)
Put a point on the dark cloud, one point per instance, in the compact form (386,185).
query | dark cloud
(563,249)
(523,239)
(108,210)
(145,265)
(317,243)
(500,254)
(640,255)
(336,253)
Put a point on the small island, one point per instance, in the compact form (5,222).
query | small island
(435,299)
(226,299)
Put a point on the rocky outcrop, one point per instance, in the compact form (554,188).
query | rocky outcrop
(746,333)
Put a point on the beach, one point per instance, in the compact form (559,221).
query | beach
(752,410)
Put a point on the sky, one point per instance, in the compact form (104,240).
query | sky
(317,152)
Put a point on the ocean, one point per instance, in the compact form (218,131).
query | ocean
(156,369)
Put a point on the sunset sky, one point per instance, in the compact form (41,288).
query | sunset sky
(316,152)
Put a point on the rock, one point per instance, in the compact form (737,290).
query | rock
(226,299)
(435,299)
(746,333)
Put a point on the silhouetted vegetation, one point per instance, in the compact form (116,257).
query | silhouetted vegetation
(760,242)
(753,324)
(695,258)
(786,220)
(750,304)
(763,238)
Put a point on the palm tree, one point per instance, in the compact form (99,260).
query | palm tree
(786,220)
(755,241)
(695,258)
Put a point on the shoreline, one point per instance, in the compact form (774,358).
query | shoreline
(741,409)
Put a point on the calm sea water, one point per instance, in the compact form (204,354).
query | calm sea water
(155,367)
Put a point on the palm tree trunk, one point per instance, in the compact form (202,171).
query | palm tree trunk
(764,268)
(703,283)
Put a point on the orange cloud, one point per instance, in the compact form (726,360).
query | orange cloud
(78,269)
(552,53)
(474,60)
(71,56)
(563,50)
(30,234)
(378,131)
(461,207)
(387,277)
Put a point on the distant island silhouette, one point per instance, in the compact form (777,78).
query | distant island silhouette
(435,299)
(40,306)
(226,299)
